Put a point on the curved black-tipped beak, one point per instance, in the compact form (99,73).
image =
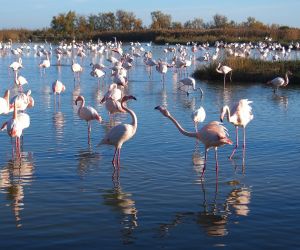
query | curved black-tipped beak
(157,107)
(221,120)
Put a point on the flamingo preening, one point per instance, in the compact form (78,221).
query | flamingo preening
(121,133)
(240,114)
(224,70)
(280,82)
(212,135)
(88,114)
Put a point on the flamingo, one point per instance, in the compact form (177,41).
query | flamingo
(198,116)
(57,88)
(15,66)
(162,68)
(4,103)
(280,82)
(15,126)
(77,69)
(20,81)
(190,82)
(212,135)
(23,101)
(87,113)
(240,114)
(224,70)
(45,63)
(121,133)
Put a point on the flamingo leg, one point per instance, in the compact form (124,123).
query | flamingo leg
(230,76)
(217,163)
(114,159)
(119,154)
(237,142)
(89,132)
(224,79)
(205,160)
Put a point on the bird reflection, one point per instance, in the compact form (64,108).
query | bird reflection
(14,176)
(281,100)
(59,123)
(86,160)
(214,215)
(122,203)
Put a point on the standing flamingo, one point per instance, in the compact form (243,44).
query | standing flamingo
(45,63)
(280,82)
(212,135)
(224,70)
(15,127)
(198,116)
(87,113)
(57,88)
(77,69)
(240,114)
(121,133)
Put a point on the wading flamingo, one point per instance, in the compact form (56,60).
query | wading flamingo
(224,70)
(121,133)
(15,127)
(280,82)
(77,69)
(189,82)
(198,116)
(57,88)
(88,114)
(212,135)
(240,114)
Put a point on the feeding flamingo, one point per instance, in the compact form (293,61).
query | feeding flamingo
(240,114)
(280,82)
(212,135)
(121,133)
(224,70)
(189,82)
(87,113)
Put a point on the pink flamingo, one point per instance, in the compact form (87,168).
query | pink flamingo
(57,88)
(15,127)
(240,114)
(224,70)
(87,113)
(212,135)
(121,133)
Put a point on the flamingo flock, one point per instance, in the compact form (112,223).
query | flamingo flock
(118,89)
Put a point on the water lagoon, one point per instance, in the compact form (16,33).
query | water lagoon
(63,192)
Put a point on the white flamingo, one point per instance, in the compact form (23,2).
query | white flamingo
(5,107)
(240,114)
(198,116)
(121,133)
(224,70)
(280,82)
(189,82)
(87,113)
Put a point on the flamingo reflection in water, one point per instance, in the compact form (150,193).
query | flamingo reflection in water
(14,176)
(122,203)
(215,215)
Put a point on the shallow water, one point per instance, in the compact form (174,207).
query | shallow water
(65,193)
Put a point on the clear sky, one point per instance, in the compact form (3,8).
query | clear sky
(34,14)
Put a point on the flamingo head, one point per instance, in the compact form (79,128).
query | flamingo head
(6,94)
(163,110)
(79,98)
(289,73)
(128,97)
(30,102)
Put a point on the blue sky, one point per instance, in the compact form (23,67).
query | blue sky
(34,14)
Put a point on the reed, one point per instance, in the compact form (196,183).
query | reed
(250,70)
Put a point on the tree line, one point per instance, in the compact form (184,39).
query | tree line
(123,23)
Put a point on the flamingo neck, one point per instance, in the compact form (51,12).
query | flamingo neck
(218,69)
(132,114)
(226,111)
(286,79)
(181,129)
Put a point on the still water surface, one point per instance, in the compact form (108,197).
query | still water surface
(65,193)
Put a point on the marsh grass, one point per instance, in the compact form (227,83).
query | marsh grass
(250,70)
